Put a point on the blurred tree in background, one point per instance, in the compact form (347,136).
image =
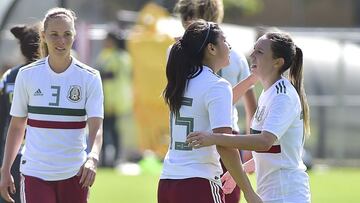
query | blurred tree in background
(234,9)
(245,7)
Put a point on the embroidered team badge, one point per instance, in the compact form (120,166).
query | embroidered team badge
(259,114)
(74,94)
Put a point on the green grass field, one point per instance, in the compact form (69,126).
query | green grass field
(340,185)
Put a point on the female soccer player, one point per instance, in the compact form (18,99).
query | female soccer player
(236,71)
(54,99)
(279,125)
(199,99)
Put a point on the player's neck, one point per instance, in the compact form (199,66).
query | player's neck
(59,65)
(269,81)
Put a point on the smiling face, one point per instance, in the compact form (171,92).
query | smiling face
(262,62)
(59,35)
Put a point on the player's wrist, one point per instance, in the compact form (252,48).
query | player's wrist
(214,138)
(5,169)
(93,156)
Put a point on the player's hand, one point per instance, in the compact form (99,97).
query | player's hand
(88,172)
(199,139)
(249,166)
(229,183)
(7,185)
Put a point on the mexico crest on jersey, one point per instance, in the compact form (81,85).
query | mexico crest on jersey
(74,94)
(259,114)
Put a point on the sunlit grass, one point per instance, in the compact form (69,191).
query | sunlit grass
(340,185)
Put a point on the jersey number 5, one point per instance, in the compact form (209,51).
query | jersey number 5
(184,121)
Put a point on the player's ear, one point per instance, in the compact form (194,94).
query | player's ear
(211,49)
(42,36)
(278,63)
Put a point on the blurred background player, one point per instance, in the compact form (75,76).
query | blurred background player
(28,37)
(115,68)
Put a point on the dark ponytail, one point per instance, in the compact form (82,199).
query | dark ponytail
(296,78)
(178,70)
(185,60)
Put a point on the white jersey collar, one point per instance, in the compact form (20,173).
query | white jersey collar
(66,72)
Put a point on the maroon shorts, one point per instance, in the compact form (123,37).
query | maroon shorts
(36,190)
(190,190)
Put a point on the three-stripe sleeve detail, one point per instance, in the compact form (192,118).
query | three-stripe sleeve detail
(280,87)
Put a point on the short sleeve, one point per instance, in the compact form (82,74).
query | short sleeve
(281,115)
(21,97)
(95,98)
(219,104)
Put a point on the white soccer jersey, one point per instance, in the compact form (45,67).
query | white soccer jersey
(237,70)
(57,106)
(280,172)
(206,106)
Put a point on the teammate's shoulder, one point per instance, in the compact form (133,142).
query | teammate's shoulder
(219,82)
(10,75)
(85,68)
(209,73)
(34,65)
(6,74)
(217,79)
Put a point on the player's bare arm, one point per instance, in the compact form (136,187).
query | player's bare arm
(255,142)
(232,162)
(14,139)
(88,170)
(242,87)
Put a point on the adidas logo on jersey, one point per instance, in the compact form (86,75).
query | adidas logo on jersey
(38,93)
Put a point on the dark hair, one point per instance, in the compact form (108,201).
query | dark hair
(282,46)
(185,60)
(29,38)
(186,9)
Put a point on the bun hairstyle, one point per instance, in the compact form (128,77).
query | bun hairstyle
(29,38)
